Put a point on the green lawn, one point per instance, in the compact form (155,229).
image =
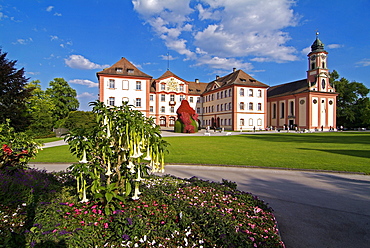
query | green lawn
(347,151)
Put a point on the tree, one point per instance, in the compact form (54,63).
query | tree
(40,107)
(13,94)
(63,97)
(80,120)
(353,104)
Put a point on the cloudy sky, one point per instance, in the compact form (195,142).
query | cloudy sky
(268,39)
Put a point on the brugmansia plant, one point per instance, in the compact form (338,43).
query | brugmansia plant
(122,148)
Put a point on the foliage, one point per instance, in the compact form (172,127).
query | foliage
(187,119)
(80,120)
(116,154)
(13,94)
(16,148)
(172,212)
(63,98)
(353,103)
(40,108)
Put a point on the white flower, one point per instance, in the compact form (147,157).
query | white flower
(84,160)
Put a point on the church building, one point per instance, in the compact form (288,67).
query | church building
(235,101)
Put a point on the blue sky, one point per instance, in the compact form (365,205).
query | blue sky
(269,40)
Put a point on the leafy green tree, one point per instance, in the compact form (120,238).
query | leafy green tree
(63,97)
(353,104)
(80,119)
(13,94)
(40,107)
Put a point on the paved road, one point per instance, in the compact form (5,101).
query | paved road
(313,209)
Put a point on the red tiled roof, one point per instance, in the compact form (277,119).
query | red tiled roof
(125,68)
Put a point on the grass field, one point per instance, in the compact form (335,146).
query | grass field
(347,151)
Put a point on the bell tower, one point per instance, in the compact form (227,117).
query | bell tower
(318,73)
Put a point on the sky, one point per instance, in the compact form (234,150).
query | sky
(268,39)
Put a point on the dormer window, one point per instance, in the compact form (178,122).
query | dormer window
(242,79)
(118,69)
(130,71)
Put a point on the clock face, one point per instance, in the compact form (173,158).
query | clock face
(172,85)
(313,57)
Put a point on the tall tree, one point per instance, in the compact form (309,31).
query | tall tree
(353,104)
(13,94)
(40,107)
(63,97)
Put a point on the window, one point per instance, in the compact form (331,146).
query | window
(241,122)
(125,84)
(225,93)
(198,99)
(241,92)
(151,97)
(250,122)
(138,85)
(162,110)
(282,110)
(172,98)
(213,97)
(111,101)
(250,106)
(259,106)
(291,108)
(163,86)
(172,110)
(323,64)
(241,106)
(151,109)
(221,107)
(222,122)
(112,84)
(259,122)
(124,99)
(218,95)
(274,111)
(217,108)
(229,105)
(250,92)
(229,93)
(198,110)
(226,106)
(182,97)
(229,122)
(138,102)
(213,109)
(222,94)
(313,66)
(130,71)
(163,98)
(259,93)
(118,69)
(191,99)
(181,87)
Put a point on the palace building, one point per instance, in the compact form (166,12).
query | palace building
(235,101)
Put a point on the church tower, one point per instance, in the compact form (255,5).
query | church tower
(318,73)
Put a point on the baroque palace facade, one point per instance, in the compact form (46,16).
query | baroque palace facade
(236,101)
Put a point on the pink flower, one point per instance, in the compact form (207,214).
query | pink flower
(105,225)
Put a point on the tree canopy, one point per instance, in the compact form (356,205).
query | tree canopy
(63,98)
(13,94)
(353,104)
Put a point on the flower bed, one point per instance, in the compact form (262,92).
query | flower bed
(171,212)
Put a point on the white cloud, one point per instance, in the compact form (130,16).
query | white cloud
(57,14)
(54,37)
(168,57)
(306,50)
(87,95)
(23,41)
(49,8)
(85,82)
(363,63)
(80,62)
(334,46)
(224,63)
(215,29)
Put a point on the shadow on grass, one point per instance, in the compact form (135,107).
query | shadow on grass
(354,153)
(331,138)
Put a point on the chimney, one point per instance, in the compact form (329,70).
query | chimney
(234,69)
(217,77)
(197,80)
